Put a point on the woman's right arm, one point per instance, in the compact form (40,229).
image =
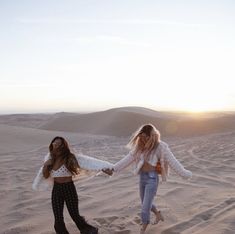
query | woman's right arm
(40,183)
(124,162)
(45,169)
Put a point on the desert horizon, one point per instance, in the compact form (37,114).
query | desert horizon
(113,121)
(204,204)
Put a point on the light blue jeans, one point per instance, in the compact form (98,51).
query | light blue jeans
(148,188)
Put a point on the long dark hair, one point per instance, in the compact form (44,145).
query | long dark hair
(64,154)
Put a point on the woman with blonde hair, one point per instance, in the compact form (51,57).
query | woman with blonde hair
(59,170)
(147,153)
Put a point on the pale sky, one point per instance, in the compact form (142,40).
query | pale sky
(83,55)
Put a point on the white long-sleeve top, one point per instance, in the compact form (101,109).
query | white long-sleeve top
(163,153)
(85,162)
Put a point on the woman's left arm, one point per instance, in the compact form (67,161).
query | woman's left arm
(175,164)
(90,163)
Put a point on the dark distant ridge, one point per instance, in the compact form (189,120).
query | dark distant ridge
(31,120)
(125,120)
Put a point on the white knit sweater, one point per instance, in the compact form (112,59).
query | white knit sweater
(84,161)
(163,153)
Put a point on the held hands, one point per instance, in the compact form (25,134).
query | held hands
(108,171)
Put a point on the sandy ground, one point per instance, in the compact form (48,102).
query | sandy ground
(202,205)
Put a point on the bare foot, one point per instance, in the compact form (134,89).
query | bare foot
(159,217)
(143,228)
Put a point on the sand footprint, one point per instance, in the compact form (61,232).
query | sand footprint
(202,217)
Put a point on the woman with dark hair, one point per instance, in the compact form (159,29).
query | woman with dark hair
(59,169)
(147,153)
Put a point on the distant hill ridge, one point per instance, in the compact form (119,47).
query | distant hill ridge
(124,121)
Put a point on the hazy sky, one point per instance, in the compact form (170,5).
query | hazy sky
(80,55)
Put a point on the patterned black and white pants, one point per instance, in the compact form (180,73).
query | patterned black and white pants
(66,192)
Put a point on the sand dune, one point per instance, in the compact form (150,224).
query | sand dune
(115,123)
(19,139)
(123,121)
(25,120)
(202,205)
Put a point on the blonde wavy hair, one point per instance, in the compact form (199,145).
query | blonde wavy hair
(152,140)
